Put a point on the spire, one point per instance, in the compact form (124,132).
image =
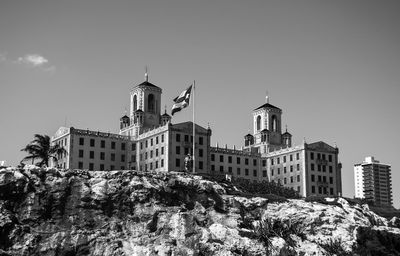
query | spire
(146,75)
(266,97)
(165,109)
(286,127)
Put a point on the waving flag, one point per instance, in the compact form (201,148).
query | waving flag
(182,101)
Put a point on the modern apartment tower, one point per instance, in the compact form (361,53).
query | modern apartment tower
(373,182)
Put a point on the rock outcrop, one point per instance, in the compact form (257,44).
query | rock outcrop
(76,212)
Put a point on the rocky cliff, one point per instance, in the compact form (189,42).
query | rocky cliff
(52,212)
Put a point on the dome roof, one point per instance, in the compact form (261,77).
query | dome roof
(125,117)
(147,83)
(267,105)
(248,135)
(265,131)
(286,134)
(166,115)
(139,111)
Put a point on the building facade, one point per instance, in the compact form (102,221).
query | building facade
(372,181)
(148,140)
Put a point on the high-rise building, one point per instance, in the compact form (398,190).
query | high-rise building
(372,181)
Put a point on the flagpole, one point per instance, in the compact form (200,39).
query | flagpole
(194,131)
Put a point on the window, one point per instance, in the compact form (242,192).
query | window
(255,173)
(147,143)
(162,150)
(133,146)
(141,145)
(331,191)
(186,150)
(291,158)
(151,142)
(80,152)
(284,181)
(133,158)
(145,155)
(230,159)
(134,102)
(212,157)
(312,156)
(201,165)
(297,156)
(319,168)
(91,166)
(177,162)
(112,144)
(298,178)
(178,137)
(156,152)
(151,153)
(178,150)
(312,167)
(123,146)
(284,169)
(92,142)
(312,177)
(330,180)
(101,167)
(157,140)
(200,140)
(330,169)
(291,168)
(323,156)
(238,171)
(102,143)
(246,161)
(291,179)
(313,189)
(264,163)
(330,158)
(258,123)
(102,156)
(238,160)
(151,103)
(221,158)
(151,166)
(201,152)
(272,161)
(162,137)
(264,173)
(298,167)
(80,165)
(255,162)
(156,164)
(272,172)
(162,162)
(221,169)
(122,158)
(81,141)
(91,154)
(112,157)
(186,138)
(279,181)
(298,189)
(320,190)
(319,178)
(212,167)
(279,171)
(324,168)
(284,159)
(278,160)
(246,172)
(318,156)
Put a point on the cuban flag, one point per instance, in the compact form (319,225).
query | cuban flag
(182,101)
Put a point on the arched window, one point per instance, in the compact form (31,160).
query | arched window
(134,103)
(150,103)
(274,123)
(258,123)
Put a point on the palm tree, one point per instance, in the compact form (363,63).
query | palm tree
(40,148)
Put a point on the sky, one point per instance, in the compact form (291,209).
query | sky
(333,67)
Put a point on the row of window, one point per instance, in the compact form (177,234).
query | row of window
(238,160)
(149,155)
(321,179)
(238,170)
(322,190)
(186,138)
(152,141)
(92,143)
(102,156)
(320,156)
(291,179)
(150,166)
(284,159)
(321,168)
(101,167)
(285,169)
(178,164)
(188,151)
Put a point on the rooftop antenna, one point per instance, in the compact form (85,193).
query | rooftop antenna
(146,75)
(266,97)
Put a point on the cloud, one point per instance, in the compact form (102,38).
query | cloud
(34,60)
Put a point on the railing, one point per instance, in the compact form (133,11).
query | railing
(99,134)
(233,151)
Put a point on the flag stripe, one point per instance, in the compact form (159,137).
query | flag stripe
(182,101)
